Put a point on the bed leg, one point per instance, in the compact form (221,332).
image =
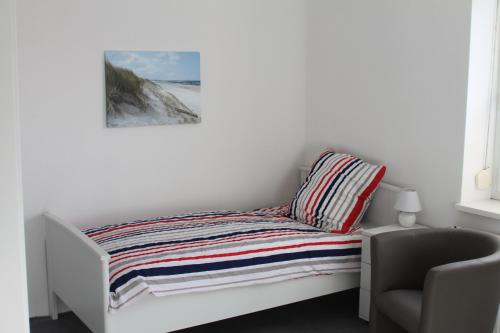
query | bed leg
(53,299)
(53,308)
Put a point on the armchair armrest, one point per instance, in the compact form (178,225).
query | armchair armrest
(458,296)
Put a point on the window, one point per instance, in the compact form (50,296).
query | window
(482,134)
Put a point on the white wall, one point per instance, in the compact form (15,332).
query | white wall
(388,80)
(243,155)
(14,302)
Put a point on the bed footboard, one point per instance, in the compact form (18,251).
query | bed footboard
(78,273)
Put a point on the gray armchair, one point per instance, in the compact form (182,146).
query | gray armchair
(434,281)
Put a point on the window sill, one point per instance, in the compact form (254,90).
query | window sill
(488,208)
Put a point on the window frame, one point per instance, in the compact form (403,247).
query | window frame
(493,127)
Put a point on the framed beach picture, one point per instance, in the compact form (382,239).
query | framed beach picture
(145,88)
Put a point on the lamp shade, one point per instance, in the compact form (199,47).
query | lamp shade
(407,201)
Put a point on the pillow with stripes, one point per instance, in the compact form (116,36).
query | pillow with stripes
(336,193)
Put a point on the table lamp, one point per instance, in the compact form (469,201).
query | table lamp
(407,203)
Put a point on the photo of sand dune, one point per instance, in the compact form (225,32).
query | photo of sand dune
(145,88)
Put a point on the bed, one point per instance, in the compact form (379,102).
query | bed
(108,276)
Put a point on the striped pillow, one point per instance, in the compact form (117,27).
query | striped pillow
(336,193)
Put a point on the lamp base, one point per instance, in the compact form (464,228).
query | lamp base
(406,220)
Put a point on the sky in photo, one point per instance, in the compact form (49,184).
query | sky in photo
(154,65)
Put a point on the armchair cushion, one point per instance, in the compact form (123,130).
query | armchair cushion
(403,306)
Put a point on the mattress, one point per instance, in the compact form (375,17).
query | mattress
(206,251)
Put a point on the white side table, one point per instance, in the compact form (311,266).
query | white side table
(365,289)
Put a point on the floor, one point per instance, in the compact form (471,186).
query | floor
(335,313)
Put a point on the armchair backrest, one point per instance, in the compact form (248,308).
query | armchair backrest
(436,247)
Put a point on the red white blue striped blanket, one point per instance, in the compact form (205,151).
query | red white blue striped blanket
(215,250)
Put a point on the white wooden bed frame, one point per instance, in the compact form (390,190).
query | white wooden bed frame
(78,276)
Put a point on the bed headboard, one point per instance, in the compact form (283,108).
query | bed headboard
(381,210)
